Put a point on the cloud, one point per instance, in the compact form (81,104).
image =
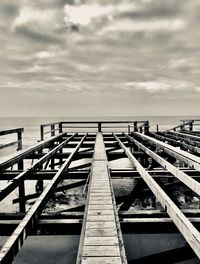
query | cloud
(32,35)
(127,25)
(28,14)
(84,14)
(101,51)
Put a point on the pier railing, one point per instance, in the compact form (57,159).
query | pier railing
(95,126)
(187,124)
(50,128)
(18,142)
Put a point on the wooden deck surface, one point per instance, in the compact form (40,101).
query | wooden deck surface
(101,240)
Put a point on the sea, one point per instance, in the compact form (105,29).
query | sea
(63,249)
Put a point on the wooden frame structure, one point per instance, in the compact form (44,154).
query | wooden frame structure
(18,142)
(82,159)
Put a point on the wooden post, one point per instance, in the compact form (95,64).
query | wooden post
(191,126)
(52,130)
(135,127)
(22,203)
(19,138)
(146,127)
(157,128)
(39,187)
(60,127)
(99,126)
(42,132)
(129,129)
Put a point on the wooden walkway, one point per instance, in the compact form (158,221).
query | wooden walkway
(101,239)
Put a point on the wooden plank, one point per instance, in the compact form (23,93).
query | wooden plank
(101,251)
(100,206)
(101,241)
(104,224)
(101,260)
(100,212)
(101,232)
(101,218)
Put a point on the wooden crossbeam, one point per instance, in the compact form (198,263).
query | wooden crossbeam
(58,189)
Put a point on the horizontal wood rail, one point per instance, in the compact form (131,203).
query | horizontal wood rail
(52,128)
(18,142)
(187,124)
(98,126)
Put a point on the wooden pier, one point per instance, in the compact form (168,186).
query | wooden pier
(72,155)
(101,239)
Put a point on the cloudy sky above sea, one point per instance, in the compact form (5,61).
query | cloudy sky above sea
(99,57)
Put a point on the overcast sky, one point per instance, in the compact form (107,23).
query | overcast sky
(99,57)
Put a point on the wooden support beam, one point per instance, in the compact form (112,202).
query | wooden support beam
(186,228)
(15,242)
(189,159)
(7,162)
(18,180)
(176,141)
(45,175)
(58,189)
(183,177)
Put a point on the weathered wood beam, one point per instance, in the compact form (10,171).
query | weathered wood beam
(45,175)
(65,226)
(183,177)
(175,141)
(186,228)
(18,180)
(16,240)
(183,137)
(58,189)
(189,159)
(13,159)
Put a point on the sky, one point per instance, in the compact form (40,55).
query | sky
(99,57)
